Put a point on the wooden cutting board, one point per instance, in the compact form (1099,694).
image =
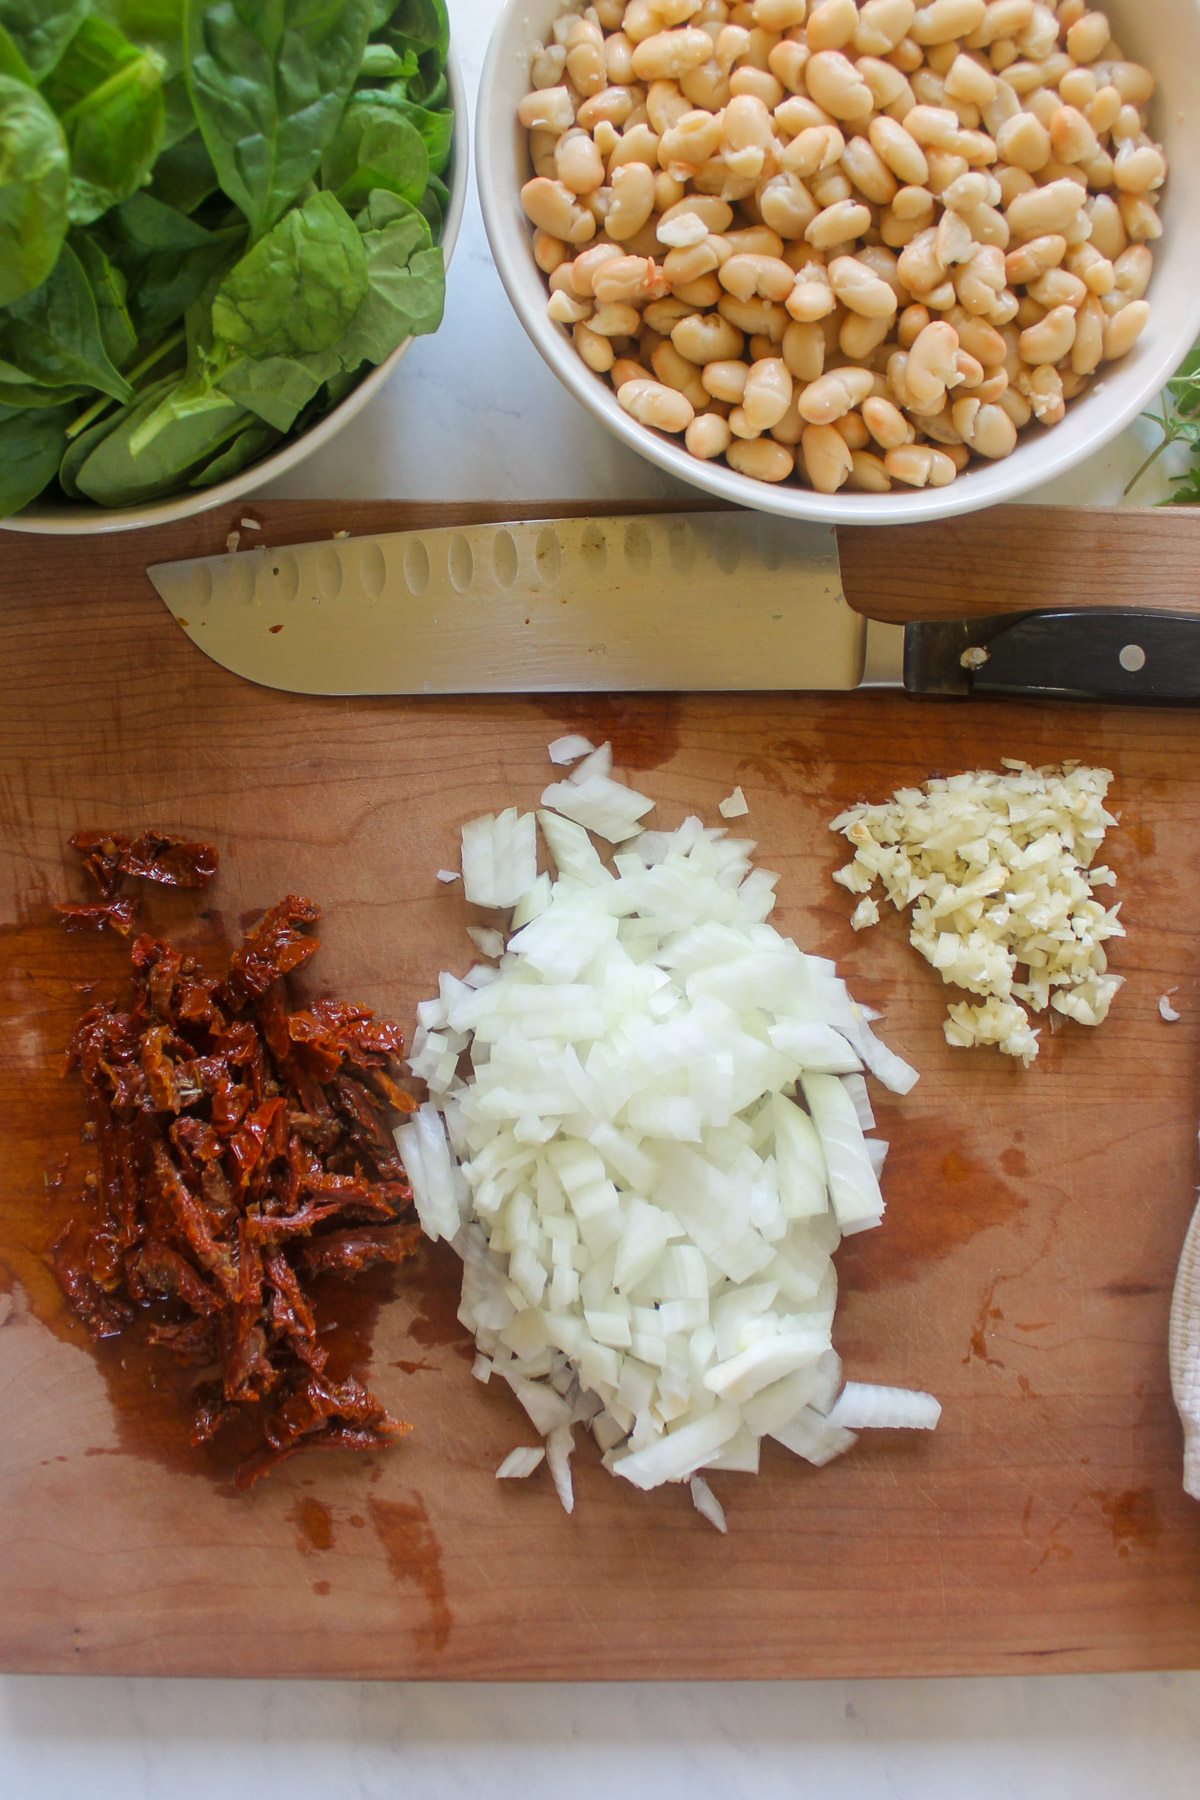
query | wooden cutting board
(1022,1273)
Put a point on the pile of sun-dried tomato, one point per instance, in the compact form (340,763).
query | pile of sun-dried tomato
(243,1150)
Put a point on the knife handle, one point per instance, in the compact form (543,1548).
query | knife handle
(1079,653)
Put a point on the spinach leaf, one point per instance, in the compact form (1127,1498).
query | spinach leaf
(31,446)
(436,129)
(184,174)
(80,448)
(277,388)
(16,396)
(269,80)
(433,204)
(297,289)
(114,476)
(108,95)
(381,63)
(109,288)
(376,147)
(407,281)
(12,62)
(170,281)
(246,448)
(406,286)
(422,26)
(151,24)
(148,224)
(42,29)
(53,333)
(34,172)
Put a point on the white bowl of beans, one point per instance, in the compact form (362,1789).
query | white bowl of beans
(859,262)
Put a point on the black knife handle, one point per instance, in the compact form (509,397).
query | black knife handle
(1077,653)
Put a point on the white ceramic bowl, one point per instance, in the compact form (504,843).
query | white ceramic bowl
(81,518)
(1165,35)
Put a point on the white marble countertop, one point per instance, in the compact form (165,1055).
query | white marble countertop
(474,414)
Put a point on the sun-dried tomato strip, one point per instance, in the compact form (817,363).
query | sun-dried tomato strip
(154,856)
(244,1151)
(120,914)
(359,1247)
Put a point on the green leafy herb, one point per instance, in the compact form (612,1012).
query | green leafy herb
(31,443)
(41,30)
(115,476)
(269,80)
(376,147)
(34,174)
(109,289)
(298,288)
(53,334)
(108,95)
(214,214)
(185,174)
(1178,418)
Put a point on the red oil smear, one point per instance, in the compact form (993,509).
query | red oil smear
(1132,1517)
(643,729)
(314,1525)
(413,1368)
(927,1219)
(1014,1162)
(978,1350)
(321,1588)
(414,1555)
(438,1272)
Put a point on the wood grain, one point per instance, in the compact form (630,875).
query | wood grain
(1022,1273)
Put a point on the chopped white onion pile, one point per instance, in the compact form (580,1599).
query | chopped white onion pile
(998,871)
(656,1148)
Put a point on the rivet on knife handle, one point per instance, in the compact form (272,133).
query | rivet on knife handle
(1081,653)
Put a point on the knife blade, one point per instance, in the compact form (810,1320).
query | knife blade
(717,601)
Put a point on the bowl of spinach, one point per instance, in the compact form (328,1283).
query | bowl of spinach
(222,223)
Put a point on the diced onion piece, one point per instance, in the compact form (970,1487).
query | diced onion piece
(734,805)
(853,1187)
(559,1444)
(814,1438)
(570,748)
(706,1503)
(426,1154)
(865,1406)
(499,857)
(520,1463)
(485,940)
(1166,1010)
(599,804)
(447,875)
(680,1453)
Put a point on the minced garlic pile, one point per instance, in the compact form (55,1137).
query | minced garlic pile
(997,869)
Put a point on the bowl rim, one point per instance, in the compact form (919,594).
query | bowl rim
(988,485)
(80,521)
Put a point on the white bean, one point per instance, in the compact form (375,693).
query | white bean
(1124,328)
(707,436)
(761,458)
(827,458)
(652,403)
(835,394)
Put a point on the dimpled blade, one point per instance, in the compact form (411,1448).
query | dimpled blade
(672,601)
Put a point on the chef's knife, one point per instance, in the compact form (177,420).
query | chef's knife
(720,601)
